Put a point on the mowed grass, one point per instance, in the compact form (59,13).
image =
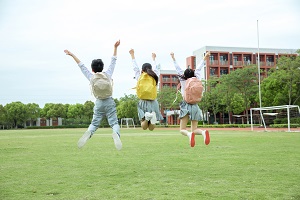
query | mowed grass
(46,164)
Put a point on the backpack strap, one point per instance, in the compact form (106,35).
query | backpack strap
(178,91)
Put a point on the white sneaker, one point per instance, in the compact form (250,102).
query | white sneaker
(148,116)
(206,137)
(153,120)
(117,141)
(81,142)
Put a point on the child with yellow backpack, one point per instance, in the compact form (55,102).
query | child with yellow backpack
(146,89)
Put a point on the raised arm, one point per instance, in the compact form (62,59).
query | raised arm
(172,56)
(200,65)
(202,62)
(136,69)
(116,47)
(112,65)
(83,69)
(131,52)
(72,55)
(177,67)
(155,66)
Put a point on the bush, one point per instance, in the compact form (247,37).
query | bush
(284,125)
(295,120)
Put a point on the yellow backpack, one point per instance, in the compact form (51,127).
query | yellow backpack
(146,87)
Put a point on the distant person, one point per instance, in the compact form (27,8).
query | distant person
(147,80)
(190,111)
(101,86)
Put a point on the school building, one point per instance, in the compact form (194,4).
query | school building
(222,60)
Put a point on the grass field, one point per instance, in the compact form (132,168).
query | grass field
(46,164)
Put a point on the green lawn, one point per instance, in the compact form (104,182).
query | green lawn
(46,164)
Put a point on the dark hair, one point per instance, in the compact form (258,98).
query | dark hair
(188,73)
(97,65)
(147,68)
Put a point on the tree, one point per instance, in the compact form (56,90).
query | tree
(166,97)
(75,111)
(244,80)
(236,103)
(88,110)
(127,107)
(2,116)
(33,111)
(16,113)
(282,86)
(227,93)
(204,105)
(44,112)
(213,97)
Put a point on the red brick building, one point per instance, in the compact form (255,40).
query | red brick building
(223,60)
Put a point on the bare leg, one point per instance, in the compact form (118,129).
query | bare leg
(183,131)
(198,131)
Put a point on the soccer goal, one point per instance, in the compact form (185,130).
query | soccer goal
(287,107)
(128,122)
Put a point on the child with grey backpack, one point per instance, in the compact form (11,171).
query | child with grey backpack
(101,86)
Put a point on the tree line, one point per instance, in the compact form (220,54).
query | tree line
(232,93)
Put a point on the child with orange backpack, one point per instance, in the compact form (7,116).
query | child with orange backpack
(191,90)
(146,89)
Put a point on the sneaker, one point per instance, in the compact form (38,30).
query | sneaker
(192,139)
(81,142)
(206,137)
(153,120)
(117,140)
(148,116)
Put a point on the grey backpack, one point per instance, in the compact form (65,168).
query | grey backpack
(101,85)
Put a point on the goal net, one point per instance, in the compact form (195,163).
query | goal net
(266,111)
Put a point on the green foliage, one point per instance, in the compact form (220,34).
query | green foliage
(2,115)
(282,86)
(16,113)
(127,107)
(237,103)
(75,111)
(88,110)
(284,125)
(166,97)
(295,120)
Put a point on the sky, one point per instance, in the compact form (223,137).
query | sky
(34,35)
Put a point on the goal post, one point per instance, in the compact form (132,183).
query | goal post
(287,107)
(127,121)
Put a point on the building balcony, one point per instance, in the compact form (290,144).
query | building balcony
(237,63)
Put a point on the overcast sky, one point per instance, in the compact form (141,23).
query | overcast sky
(34,34)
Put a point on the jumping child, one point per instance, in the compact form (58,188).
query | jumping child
(190,111)
(148,108)
(104,107)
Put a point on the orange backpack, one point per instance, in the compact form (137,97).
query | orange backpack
(193,90)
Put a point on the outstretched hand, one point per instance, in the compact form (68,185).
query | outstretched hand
(131,51)
(67,52)
(172,56)
(207,54)
(153,56)
(117,43)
